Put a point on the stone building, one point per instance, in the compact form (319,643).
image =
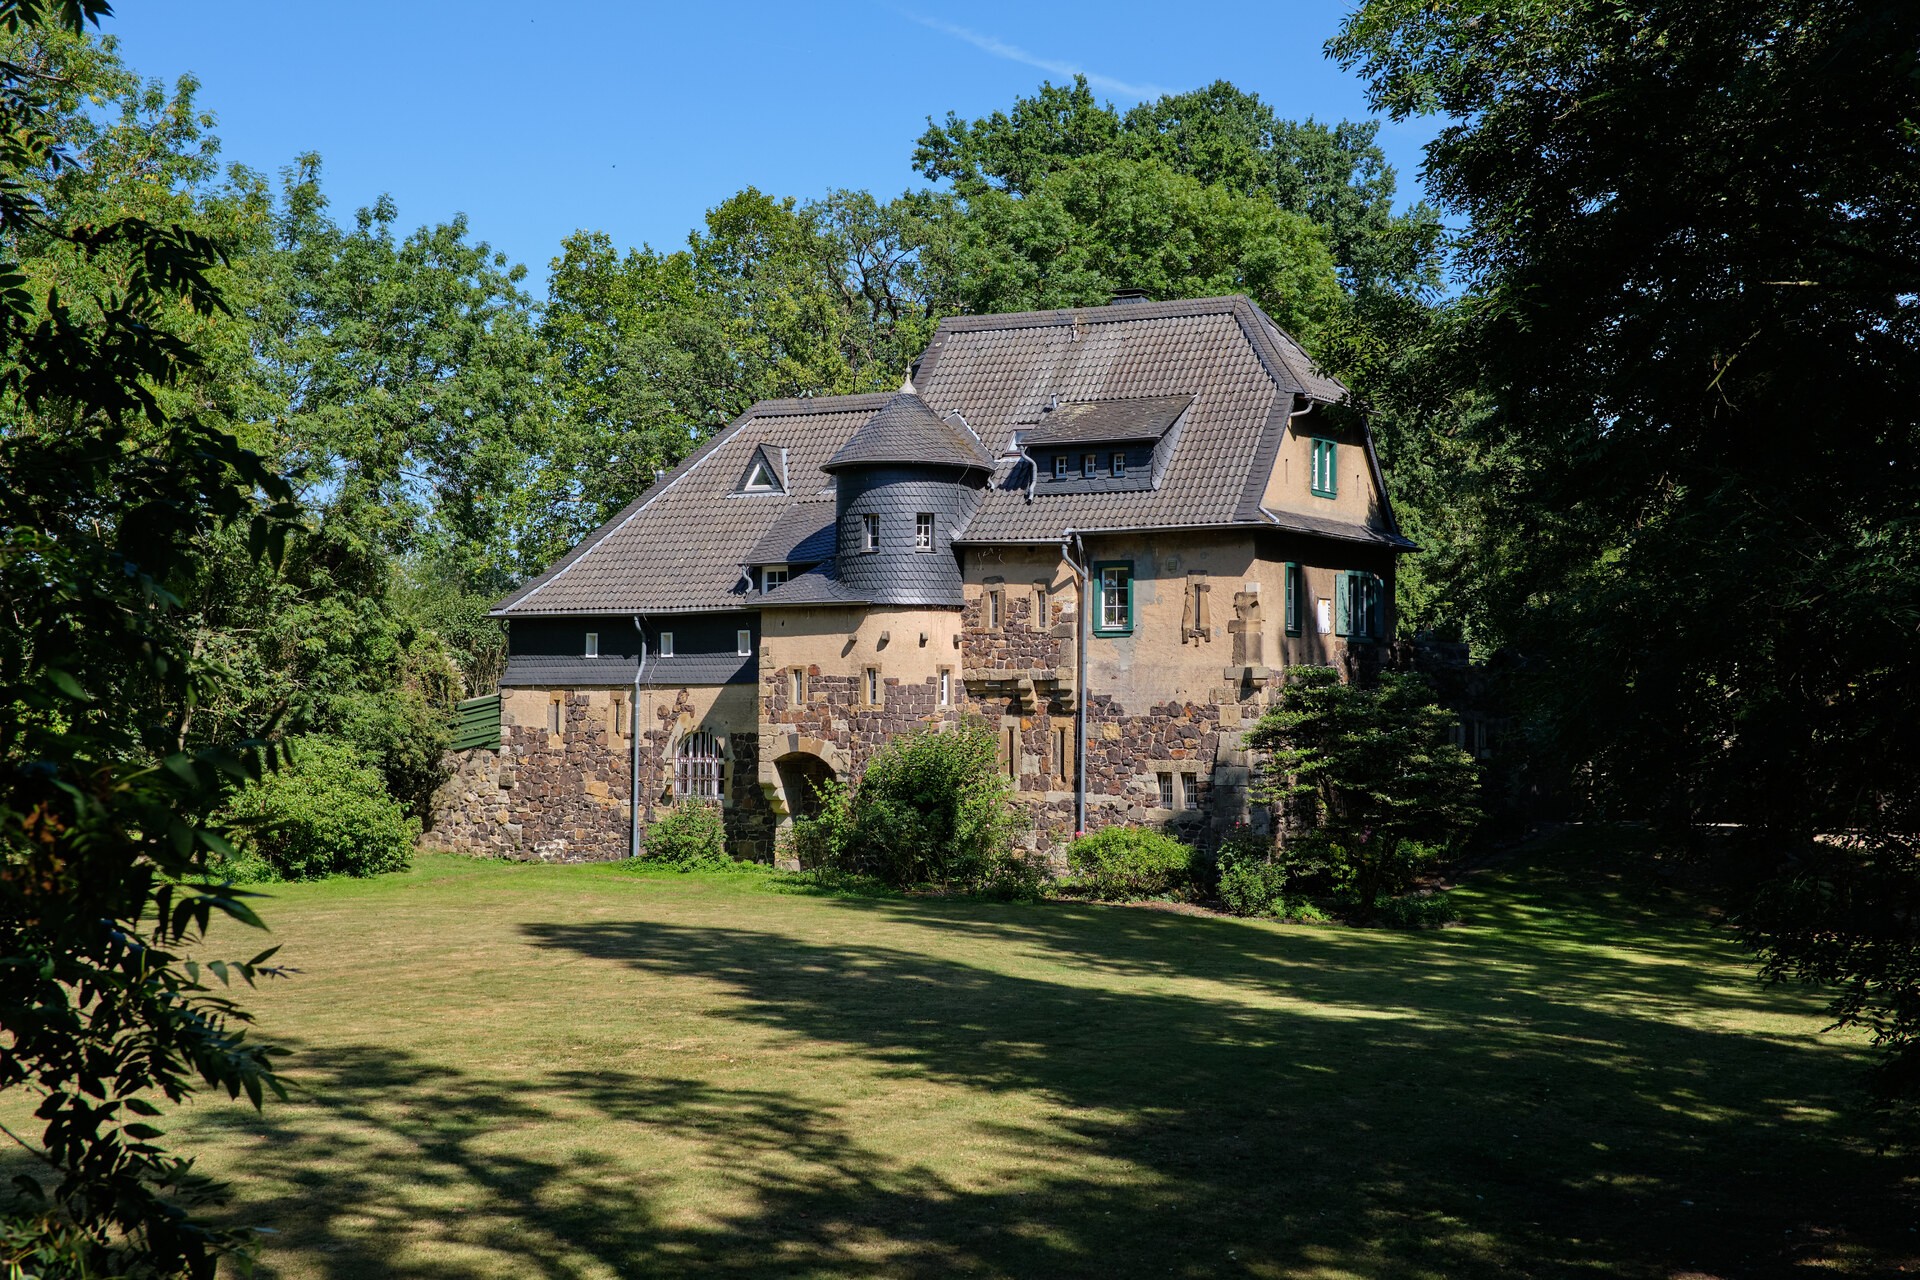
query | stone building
(1106,532)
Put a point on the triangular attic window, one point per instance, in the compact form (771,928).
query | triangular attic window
(763,474)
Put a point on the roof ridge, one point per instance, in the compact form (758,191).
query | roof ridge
(794,406)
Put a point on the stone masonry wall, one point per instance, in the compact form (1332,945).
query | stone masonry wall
(563,798)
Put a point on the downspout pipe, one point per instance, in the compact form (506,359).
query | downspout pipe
(1070,548)
(633,747)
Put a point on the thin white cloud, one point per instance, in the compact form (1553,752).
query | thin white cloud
(1066,70)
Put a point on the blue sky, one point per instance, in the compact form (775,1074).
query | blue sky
(537,119)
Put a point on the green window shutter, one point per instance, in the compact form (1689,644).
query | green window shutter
(1342,604)
(476,723)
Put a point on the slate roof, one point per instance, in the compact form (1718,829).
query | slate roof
(803,534)
(572,671)
(817,586)
(680,546)
(1109,421)
(905,430)
(1241,372)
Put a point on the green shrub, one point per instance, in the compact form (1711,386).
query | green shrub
(1366,769)
(1253,888)
(820,840)
(931,808)
(1131,862)
(688,837)
(329,814)
(1417,911)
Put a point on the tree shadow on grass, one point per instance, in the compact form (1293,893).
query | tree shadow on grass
(1524,1100)
(1450,1105)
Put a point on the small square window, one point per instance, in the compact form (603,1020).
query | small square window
(1059,466)
(923,531)
(772,577)
(1118,469)
(593,644)
(1089,465)
(1190,791)
(1166,789)
(870,533)
(743,642)
(666,644)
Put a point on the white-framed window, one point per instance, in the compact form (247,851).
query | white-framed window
(593,644)
(1166,789)
(1118,467)
(666,644)
(796,686)
(1089,465)
(923,531)
(946,686)
(761,480)
(1323,615)
(774,575)
(1189,791)
(869,533)
(697,768)
(1115,585)
(743,642)
(1059,466)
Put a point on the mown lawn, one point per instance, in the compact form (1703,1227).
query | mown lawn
(583,1071)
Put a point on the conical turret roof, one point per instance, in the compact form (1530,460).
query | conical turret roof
(905,431)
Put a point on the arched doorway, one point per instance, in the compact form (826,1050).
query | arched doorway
(801,775)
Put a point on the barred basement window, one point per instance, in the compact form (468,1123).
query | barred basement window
(1190,790)
(1166,789)
(923,531)
(696,768)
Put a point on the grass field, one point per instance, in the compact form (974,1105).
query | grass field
(583,1071)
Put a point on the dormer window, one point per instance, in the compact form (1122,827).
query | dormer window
(1089,465)
(1119,467)
(593,644)
(666,644)
(764,473)
(1059,466)
(774,575)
